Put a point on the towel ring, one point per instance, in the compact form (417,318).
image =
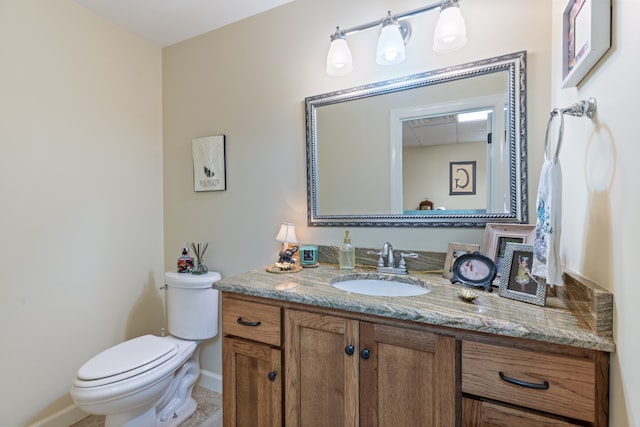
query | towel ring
(554,113)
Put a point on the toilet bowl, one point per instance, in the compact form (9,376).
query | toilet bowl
(147,381)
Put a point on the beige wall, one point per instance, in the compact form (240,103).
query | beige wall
(600,202)
(81,189)
(249,80)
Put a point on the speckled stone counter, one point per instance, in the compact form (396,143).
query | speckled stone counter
(489,313)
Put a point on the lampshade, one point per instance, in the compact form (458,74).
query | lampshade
(451,31)
(287,233)
(390,44)
(339,62)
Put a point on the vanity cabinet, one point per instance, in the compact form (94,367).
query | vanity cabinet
(346,372)
(252,359)
(298,365)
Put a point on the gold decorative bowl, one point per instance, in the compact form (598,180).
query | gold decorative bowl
(467,294)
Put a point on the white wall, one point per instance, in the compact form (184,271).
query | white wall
(600,203)
(248,81)
(81,189)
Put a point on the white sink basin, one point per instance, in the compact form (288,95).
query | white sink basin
(380,287)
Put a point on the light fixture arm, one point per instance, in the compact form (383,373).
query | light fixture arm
(397,17)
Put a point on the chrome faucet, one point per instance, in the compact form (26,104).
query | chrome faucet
(387,252)
(390,265)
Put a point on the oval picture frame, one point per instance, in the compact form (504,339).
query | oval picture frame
(474,269)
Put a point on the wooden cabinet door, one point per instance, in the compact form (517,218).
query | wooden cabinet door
(408,379)
(321,370)
(252,384)
(476,413)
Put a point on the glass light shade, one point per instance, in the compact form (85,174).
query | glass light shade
(451,31)
(390,45)
(287,233)
(339,62)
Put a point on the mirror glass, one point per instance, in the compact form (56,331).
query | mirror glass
(441,148)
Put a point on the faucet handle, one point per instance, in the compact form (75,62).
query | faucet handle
(403,263)
(380,260)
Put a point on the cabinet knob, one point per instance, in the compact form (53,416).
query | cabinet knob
(349,350)
(272,375)
(364,353)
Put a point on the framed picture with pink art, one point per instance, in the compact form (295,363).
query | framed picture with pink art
(586,36)
(516,281)
(455,251)
(497,236)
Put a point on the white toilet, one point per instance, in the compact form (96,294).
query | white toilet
(147,381)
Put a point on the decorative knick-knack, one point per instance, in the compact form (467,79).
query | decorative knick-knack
(185,262)
(200,267)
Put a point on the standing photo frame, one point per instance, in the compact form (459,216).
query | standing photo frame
(454,251)
(497,236)
(209,163)
(586,36)
(516,281)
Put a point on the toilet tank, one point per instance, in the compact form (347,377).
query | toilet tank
(192,305)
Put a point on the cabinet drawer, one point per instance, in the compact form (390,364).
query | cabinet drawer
(480,414)
(552,383)
(251,320)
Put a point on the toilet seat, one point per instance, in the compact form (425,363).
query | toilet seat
(126,360)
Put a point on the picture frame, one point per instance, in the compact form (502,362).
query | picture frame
(496,237)
(474,269)
(454,251)
(209,163)
(462,178)
(586,36)
(516,281)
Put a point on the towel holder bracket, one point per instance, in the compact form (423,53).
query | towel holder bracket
(582,108)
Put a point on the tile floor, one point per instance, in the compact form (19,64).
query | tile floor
(208,414)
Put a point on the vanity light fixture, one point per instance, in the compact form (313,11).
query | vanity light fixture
(391,42)
(450,34)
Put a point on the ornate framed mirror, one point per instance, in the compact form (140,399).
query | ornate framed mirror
(378,154)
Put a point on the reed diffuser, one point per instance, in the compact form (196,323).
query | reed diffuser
(200,267)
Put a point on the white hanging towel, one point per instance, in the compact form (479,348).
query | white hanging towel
(546,248)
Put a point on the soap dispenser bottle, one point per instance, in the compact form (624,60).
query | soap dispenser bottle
(347,255)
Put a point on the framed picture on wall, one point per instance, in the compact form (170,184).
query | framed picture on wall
(209,163)
(586,36)
(462,178)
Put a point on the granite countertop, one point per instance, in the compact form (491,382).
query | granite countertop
(489,313)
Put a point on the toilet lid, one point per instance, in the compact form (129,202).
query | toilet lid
(127,359)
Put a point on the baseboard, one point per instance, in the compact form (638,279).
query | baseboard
(63,418)
(210,380)
(72,414)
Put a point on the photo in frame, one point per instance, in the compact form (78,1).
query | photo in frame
(454,251)
(462,178)
(516,281)
(586,36)
(497,236)
(209,163)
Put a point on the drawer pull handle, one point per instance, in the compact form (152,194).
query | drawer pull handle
(365,353)
(245,323)
(350,349)
(272,375)
(537,386)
